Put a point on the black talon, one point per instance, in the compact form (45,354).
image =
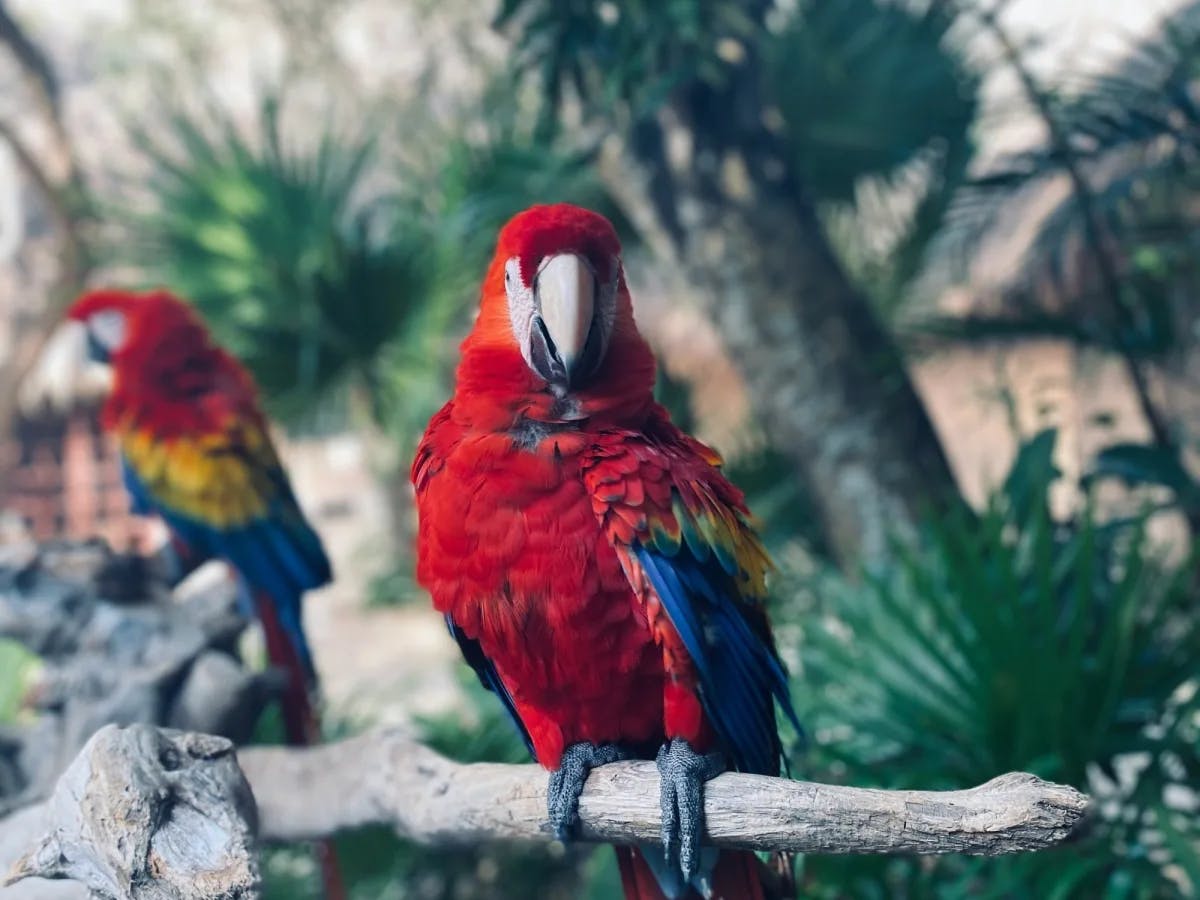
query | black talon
(566,782)
(683,772)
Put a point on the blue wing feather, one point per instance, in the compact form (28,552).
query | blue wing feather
(488,676)
(277,555)
(741,678)
(140,501)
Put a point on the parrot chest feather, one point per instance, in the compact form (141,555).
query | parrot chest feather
(511,549)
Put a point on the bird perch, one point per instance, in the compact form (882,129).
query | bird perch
(136,776)
(140,777)
(386,779)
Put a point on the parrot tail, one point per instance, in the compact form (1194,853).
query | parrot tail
(301,726)
(737,875)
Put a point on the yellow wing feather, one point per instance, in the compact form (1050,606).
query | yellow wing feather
(222,479)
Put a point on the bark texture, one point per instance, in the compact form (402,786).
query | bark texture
(387,779)
(150,814)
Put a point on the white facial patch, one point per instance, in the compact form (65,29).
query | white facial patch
(108,329)
(522,306)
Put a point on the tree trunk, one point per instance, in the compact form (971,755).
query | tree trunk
(56,175)
(827,381)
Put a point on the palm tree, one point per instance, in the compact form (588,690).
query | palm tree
(1111,266)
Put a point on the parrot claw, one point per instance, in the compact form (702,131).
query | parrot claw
(683,772)
(566,782)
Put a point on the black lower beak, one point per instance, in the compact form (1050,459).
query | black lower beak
(549,364)
(96,351)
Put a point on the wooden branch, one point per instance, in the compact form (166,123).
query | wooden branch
(18,832)
(144,813)
(154,814)
(386,779)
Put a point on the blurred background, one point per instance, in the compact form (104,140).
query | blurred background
(924,271)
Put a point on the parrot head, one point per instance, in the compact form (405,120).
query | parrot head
(561,269)
(555,316)
(116,321)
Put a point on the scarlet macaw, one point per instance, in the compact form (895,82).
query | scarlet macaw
(596,568)
(196,451)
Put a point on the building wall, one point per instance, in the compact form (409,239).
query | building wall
(60,475)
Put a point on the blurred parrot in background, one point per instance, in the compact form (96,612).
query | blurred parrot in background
(195,450)
(596,568)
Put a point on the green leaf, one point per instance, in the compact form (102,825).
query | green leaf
(1009,641)
(863,87)
(1029,480)
(1184,844)
(1138,464)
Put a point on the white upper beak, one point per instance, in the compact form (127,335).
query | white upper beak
(566,289)
(62,373)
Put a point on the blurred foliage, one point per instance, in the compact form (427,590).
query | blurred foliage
(783,511)
(863,87)
(503,166)
(16,665)
(301,279)
(1134,131)
(633,52)
(1139,465)
(327,281)
(863,93)
(1137,127)
(1015,643)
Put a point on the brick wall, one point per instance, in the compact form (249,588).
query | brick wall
(62,476)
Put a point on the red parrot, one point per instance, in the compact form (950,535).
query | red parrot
(598,571)
(196,451)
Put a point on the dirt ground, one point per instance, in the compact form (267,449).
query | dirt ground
(379,664)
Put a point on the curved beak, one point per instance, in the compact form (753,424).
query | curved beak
(565,290)
(61,375)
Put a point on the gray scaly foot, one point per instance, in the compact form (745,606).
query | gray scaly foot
(566,782)
(683,772)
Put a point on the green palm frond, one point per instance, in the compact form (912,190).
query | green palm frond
(1134,130)
(876,105)
(864,86)
(298,274)
(634,52)
(1015,643)
(505,165)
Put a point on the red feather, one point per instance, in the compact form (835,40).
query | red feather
(737,876)
(167,361)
